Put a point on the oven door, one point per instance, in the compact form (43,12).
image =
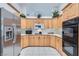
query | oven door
(70,39)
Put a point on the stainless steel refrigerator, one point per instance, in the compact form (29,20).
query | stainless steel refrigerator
(9,34)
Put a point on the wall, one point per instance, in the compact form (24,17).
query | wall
(10,9)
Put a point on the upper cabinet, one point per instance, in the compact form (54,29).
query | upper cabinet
(29,24)
(23,23)
(70,11)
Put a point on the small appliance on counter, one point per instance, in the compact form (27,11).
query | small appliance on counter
(38,28)
(29,31)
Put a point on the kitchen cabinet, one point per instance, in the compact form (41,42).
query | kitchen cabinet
(53,42)
(34,40)
(58,43)
(47,40)
(70,11)
(29,24)
(23,23)
(24,41)
(44,40)
(39,40)
(46,24)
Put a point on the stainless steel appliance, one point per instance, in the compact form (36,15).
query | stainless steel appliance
(71,37)
(9,34)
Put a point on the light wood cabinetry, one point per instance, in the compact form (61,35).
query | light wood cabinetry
(39,40)
(34,41)
(58,43)
(29,24)
(53,41)
(23,23)
(24,41)
(57,22)
(70,11)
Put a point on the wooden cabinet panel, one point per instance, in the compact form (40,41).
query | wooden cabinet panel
(29,23)
(36,40)
(24,41)
(23,23)
(46,24)
(33,40)
(46,40)
(41,40)
(58,43)
(53,42)
(54,23)
(71,11)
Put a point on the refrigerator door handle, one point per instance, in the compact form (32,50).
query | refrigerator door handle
(14,33)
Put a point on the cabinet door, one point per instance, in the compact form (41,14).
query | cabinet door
(52,41)
(46,23)
(41,40)
(36,40)
(22,41)
(29,23)
(31,40)
(58,43)
(46,40)
(26,41)
(23,23)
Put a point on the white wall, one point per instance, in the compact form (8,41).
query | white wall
(7,7)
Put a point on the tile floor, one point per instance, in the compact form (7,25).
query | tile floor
(39,51)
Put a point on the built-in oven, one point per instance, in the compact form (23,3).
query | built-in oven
(70,37)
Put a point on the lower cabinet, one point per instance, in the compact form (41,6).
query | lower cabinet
(24,41)
(58,43)
(53,42)
(39,40)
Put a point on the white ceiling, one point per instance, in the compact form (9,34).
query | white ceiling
(45,9)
